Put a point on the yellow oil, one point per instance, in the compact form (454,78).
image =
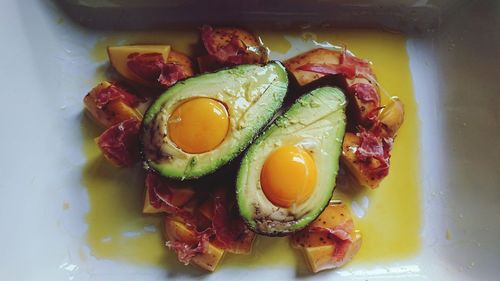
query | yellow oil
(390,227)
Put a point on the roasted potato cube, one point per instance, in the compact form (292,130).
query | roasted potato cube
(364,102)
(218,41)
(222,35)
(112,113)
(320,258)
(392,116)
(176,230)
(314,56)
(183,61)
(242,246)
(363,95)
(365,172)
(334,214)
(321,249)
(119,55)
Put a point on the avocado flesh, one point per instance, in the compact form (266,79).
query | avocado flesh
(315,122)
(251,93)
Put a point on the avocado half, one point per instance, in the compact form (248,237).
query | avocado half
(251,94)
(315,122)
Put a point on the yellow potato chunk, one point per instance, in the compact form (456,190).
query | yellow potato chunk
(118,57)
(183,61)
(112,113)
(222,35)
(230,46)
(320,258)
(319,247)
(334,214)
(242,246)
(359,109)
(255,52)
(365,173)
(176,230)
(392,116)
(320,56)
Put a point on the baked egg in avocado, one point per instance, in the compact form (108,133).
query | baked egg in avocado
(287,176)
(201,123)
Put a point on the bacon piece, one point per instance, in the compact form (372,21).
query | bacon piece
(227,224)
(146,65)
(359,81)
(333,233)
(341,231)
(340,256)
(165,195)
(367,155)
(152,68)
(339,237)
(349,66)
(330,240)
(120,143)
(371,145)
(362,67)
(314,56)
(377,148)
(207,37)
(364,100)
(365,92)
(192,244)
(160,193)
(345,70)
(171,73)
(361,113)
(371,160)
(368,142)
(373,116)
(112,93)
(186,251)
(110,104)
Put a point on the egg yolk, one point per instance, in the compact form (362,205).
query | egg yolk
(288,176)
(198,125)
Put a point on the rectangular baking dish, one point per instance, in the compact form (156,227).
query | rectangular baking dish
(454,51)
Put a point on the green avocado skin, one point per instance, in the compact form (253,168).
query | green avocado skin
(326,104)
(270,79)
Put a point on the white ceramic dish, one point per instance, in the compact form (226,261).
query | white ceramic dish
(45,69)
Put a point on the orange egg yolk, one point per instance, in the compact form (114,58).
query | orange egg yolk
(198,125)
(288,176)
